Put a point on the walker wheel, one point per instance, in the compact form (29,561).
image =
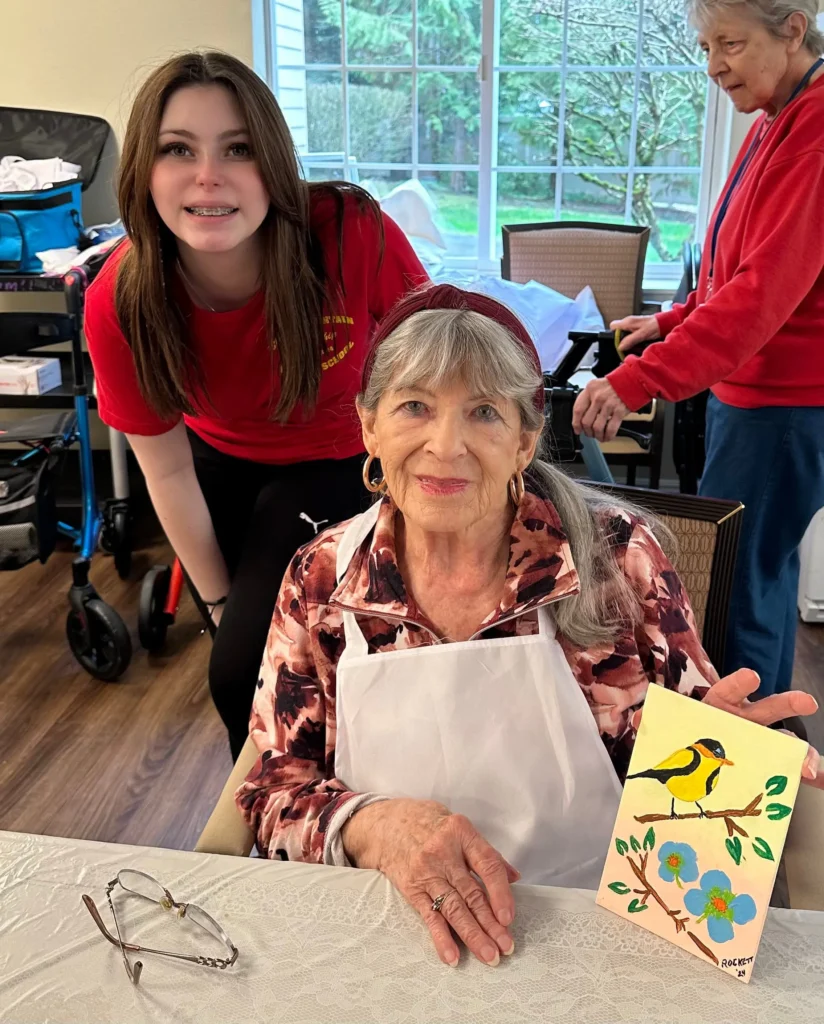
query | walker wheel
(153,621)
(123,543)
(107,650)
(116,537)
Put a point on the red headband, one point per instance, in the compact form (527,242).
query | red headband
(447,296)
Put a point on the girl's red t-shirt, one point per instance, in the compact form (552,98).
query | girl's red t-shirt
(240,370)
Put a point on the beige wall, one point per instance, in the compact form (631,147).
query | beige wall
(89,56)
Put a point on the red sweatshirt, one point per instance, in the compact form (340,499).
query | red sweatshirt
(758,339)
(239,368)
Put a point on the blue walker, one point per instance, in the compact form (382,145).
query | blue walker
(29,523)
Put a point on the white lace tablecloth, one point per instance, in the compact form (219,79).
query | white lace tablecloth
(322,944)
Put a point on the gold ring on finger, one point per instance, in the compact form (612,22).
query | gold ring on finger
(438,902)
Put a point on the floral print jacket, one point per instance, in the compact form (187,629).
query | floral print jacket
(291,795)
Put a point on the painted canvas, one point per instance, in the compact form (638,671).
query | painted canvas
(701,828)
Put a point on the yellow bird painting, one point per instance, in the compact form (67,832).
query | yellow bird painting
(690,774)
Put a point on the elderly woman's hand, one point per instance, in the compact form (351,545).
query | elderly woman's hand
(598,411)
(425,851)
(732,694)
(641,329)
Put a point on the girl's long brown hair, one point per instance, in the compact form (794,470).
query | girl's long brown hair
(295,279)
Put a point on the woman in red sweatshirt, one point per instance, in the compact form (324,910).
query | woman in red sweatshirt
(228,336)
(753,331)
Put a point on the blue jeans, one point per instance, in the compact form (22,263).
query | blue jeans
(772,460)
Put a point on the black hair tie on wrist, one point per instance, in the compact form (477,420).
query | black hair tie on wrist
(211,605)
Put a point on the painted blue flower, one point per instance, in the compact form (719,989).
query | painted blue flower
(678,862)
(715,903)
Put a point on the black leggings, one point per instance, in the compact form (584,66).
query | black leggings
(256,511)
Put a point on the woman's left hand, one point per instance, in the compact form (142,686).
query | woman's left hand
(598,412)
(732,694)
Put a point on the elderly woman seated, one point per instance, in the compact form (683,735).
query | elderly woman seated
(451,680)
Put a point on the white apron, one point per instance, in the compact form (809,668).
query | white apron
(497,730)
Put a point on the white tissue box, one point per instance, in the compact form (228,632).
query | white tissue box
(29,375)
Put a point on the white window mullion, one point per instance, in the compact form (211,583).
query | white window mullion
(631,177)
(531,68)
(271,23)
(713,164)
(559,169)
(415,140)
(261,50)
(601,169)
(374,165)
(488,135)
(378,69)
(633,135)
(344,70)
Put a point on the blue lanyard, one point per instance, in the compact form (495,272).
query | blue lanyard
(745,163)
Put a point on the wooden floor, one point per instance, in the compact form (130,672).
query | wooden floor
(139,761)
(143,760)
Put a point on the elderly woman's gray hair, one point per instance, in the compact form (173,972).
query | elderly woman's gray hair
(772,14)
(436,347)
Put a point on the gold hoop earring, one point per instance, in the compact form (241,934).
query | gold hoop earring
(373,486)
(517,488)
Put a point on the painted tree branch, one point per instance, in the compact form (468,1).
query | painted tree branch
(752,810)
(640,872)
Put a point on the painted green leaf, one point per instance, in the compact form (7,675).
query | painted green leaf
(762,848)
(776,785)
(620,887)
(621,847)
(649,839)
(635,844)
(734,849)
(775,812)
(635,907)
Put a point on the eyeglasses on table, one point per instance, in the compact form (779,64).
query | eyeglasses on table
(139,883)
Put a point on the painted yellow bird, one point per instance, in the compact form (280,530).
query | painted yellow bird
(689,774)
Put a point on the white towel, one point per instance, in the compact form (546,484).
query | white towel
(19,175)
(57,262)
